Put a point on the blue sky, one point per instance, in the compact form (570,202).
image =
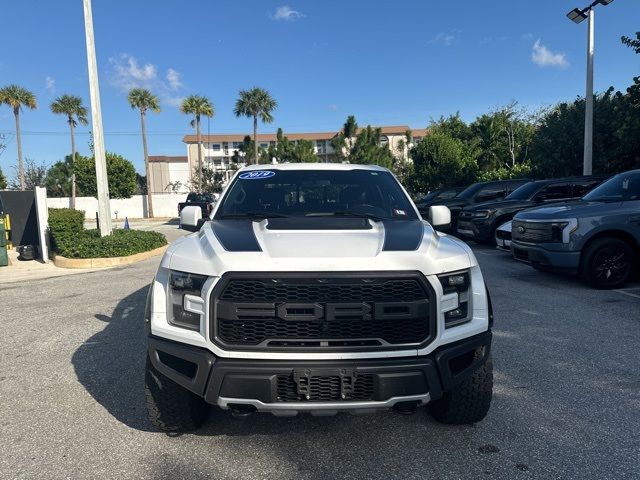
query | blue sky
(387,62)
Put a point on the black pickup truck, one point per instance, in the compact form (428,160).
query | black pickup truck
(203,200)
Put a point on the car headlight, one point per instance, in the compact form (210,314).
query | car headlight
(482,213)
(460,284)
(185,297)
(561,231)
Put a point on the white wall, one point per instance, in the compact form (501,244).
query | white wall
(164,205)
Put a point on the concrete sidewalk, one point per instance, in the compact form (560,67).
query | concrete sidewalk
(20,271)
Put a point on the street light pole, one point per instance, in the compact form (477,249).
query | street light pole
(102,185)
(587,166)
(578,15)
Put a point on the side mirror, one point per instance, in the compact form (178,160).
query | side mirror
(439,216)
(191,218)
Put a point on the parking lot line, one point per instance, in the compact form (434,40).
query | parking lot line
(635,295)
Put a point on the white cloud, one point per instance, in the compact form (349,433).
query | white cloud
(333,107)
(127,72)
(174,78)
(50,84)
(543,57)
(286,13)
(445,38)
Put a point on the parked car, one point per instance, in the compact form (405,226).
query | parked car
(597,237)
(476,193)
(317,288)
(503,236)
(479,222)
(440,194)
(203,200)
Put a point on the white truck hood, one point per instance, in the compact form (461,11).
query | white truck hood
(232,245)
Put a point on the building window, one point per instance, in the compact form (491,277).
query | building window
(321,146)
(225,147)
(264,145)
(236,145)
(217,162)
(384,141)
(415,140)
(215,147)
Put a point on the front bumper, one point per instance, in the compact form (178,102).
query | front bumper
(561,260)
(477,230)
(231,383)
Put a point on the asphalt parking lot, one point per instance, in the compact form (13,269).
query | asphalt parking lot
(566,403)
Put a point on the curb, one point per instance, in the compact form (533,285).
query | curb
(64,262)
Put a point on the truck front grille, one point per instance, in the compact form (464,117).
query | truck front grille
(533,232)
(321,311)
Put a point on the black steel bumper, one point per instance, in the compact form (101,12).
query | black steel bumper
(231,382)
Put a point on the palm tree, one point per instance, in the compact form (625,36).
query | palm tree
(144,100)
(255,103)
(17,97)
(76,113)
(197,106)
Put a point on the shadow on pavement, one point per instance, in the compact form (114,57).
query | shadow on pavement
(110,364)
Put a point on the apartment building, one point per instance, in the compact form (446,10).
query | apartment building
(218,150)
(173,173)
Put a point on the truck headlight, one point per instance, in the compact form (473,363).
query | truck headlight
(185,298)
(482,213)
(561,231)
(460,284)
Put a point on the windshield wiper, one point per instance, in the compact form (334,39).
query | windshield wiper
(345,213)
(253,215)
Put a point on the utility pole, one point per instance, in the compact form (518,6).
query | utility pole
(587,166)
(102,184)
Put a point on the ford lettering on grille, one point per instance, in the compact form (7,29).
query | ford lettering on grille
(342,312)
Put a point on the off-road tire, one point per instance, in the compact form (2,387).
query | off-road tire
(592,259)
(467,402)
(171,408)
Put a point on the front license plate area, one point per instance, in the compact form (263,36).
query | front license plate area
(325,384)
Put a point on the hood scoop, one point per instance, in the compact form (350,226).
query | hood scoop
(318,223)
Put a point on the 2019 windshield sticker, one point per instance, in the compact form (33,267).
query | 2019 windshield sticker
(257,175)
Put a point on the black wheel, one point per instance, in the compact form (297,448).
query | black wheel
(467,402)
(171,407)
(607,263)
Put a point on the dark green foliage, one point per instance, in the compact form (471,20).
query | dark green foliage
(71,240)
(121,173)
(440,160)
(65,224)
(632,42)
(3,181)
(211,180)
(58,179)
(368,150)
(121,243)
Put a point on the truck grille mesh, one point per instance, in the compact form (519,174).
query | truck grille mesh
(319,312)
(534,232)
(324,389)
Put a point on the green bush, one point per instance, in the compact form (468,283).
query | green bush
(520,170)
(65,223)
(121,243)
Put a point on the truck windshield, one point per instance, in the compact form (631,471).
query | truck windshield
(623,187)
(289,193)
(524,192)
(470,191)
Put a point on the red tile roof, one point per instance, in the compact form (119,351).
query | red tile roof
(271,137)
(168,159)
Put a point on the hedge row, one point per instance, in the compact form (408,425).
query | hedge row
(71,240)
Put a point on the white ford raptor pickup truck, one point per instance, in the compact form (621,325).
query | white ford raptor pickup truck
(317,288)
